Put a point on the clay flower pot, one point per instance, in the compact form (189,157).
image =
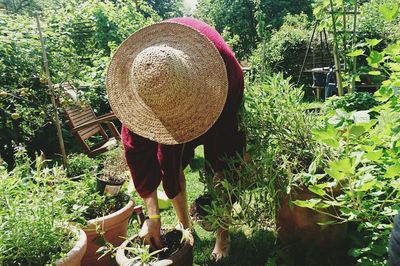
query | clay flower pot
(75,255)
(182,257)
(114,226)
(297,224)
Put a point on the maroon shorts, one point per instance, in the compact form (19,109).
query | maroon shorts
(151,162)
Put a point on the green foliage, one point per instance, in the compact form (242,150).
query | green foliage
(275,12)
(372,22)
(280,146)
(355,101)
(245,22)
(33,217)
(235,19)
(79,164)
(81,199)
(167,8)
(365,171)
(80,37)
(281,51)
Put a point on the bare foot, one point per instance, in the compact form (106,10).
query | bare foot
(221,248)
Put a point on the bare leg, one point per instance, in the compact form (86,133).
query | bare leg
(221,247)
(180,203)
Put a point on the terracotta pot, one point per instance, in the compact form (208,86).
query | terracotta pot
(114,226)
(75,255)
(182,257)
(297,224)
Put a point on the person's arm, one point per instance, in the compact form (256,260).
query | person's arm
(141,157)
(151,227)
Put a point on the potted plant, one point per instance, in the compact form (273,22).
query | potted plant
(104,218)
(79,165)
(34,221)
(178,250)
(75,255)
(114,173)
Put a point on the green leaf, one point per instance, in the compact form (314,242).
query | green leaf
(307,203)
(394,66)
(372,42)
(328,132)
(393,49)
(375,58)
(374,73)
(355,53)
(343,165)
(374,155)
(327,135)
(365,183)
(357,130)
(393,171)
(337,175)
(318,189)
(331,143)
(384,93)
(388,11)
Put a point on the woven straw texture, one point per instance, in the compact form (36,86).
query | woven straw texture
(168,83)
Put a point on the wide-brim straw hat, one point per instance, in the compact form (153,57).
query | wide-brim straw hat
(167,82)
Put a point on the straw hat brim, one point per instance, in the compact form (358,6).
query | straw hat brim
(191,117)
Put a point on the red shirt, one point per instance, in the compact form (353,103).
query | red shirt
(151,162)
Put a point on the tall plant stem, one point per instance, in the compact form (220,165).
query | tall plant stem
(335,53)
(52,96)
(353,41)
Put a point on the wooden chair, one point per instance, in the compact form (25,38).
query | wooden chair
(84,124)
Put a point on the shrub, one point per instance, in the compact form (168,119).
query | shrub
(80,37)
(371,22)
(79,164)
(355,101)
(280,146)
(33,218)
(366,165)
(284,51)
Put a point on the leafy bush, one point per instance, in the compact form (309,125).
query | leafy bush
(282,52)
(79,164)
(372,24)
(80,37)
(235,19)
(366,166)
(367,172)
(33,217)
(355,101)
(280,145)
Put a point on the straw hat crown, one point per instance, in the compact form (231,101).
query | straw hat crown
(168,83)
(161,75)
